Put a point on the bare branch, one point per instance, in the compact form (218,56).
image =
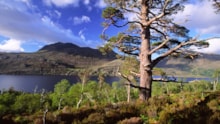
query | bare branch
(136,74)
(217,5)
(129,22)
(159,47)
(154,19)
(107,25)
(132,85)
(120,40)
(131,11)
(130,51)
(158,31)
(160,15)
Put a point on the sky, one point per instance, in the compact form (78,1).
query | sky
(28,25)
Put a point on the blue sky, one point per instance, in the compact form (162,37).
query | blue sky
(27,25)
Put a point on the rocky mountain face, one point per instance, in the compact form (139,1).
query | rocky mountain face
(54,59)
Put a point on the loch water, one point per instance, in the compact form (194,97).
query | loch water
(32,83)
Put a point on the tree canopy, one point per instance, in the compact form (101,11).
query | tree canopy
(148,29)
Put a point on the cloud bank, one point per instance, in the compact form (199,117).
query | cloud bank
(11,45)
(213,48)
(24,25)
(201,17)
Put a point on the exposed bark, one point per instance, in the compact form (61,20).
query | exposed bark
(145,57)
(84,77)
(60,102)
(45,115)
(128,93)
(80,100)
(215,83)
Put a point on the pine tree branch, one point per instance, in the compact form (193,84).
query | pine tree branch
(160,15)
(217,5)
(132,85)
(158,31)
(129,22)
(136,74)
(169,52)
(159,47)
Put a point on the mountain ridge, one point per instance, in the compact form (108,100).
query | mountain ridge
(76,50)
(69,59)
(54,59)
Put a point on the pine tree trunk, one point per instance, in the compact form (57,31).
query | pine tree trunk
(145,82)
(145,67)
(145,57)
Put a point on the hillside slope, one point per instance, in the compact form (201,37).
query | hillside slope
(203,66)
(69,59)
(54,59)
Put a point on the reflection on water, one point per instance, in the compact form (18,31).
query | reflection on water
(29,83)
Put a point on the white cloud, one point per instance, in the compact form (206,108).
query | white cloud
(90,43)
(54,14)
(213,48)
(80,20)
(11,45)
(100,4)
(27,2)
(23,25)
(200,16)
(25,22)
(81,34)
(61,3)
(28,27)
(86,2)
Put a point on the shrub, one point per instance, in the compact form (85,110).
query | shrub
(214,105)
(133,120)
(94,118)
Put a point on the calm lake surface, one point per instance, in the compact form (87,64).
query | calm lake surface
(29,83)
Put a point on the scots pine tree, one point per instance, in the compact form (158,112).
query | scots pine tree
(146,28)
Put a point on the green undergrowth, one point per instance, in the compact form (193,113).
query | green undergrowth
(181,108)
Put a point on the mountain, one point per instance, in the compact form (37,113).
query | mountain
(55,59)
(73,49)
(69,59)
(202,66)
